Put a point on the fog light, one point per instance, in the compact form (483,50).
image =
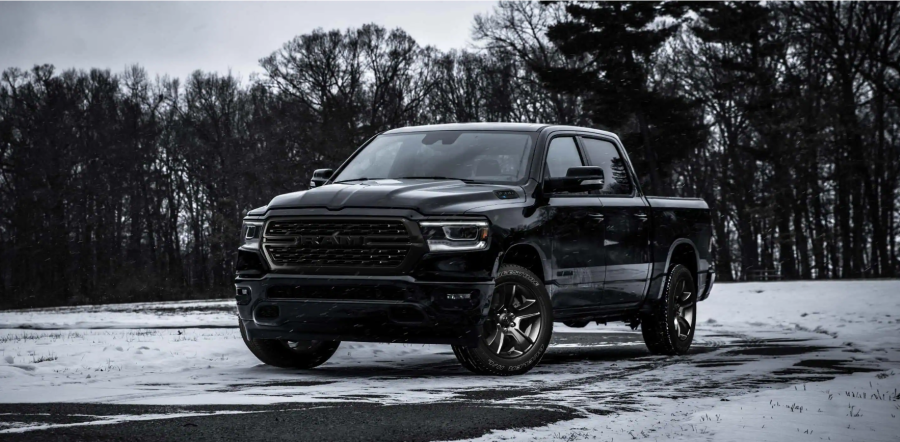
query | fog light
(267,312)
(242,295)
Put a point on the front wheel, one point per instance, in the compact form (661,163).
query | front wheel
(517,330)
(669,329)
(290,354)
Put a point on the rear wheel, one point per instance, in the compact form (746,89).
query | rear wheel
(518,328)
(669,329)
(290,354)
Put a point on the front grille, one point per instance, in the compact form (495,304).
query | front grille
(324,228)
(312,243)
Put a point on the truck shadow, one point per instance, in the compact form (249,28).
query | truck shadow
(570,352)
(567,355)
(556,357)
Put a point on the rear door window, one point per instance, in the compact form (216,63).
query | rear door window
(604,154)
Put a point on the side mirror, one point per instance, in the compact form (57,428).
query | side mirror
(320,177)
(577,179)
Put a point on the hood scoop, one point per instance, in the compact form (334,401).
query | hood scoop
(506,194)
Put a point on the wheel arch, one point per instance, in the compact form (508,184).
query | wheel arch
(683,251)
(527,255)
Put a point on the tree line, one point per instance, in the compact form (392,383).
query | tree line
(785,117)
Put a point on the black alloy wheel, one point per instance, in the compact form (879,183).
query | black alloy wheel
(514,321)
(517,330)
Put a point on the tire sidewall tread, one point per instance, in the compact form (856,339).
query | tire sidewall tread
(275,353)
(656,327)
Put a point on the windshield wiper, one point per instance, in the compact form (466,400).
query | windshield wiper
(438,178)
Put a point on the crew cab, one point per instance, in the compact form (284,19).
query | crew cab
(479,236)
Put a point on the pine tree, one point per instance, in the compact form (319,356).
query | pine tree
(617,43)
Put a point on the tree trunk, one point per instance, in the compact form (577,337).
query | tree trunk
(800,211)
(656,186)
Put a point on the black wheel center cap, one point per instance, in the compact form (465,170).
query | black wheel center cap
(507,319)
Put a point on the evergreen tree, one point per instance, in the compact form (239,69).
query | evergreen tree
(619,42)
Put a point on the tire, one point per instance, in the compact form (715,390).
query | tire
(284,354)
(663,329)
(517,332)
(575,324)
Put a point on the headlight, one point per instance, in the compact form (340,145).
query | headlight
(455,236)
(251,231)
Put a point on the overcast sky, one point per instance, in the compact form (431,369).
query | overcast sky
(177,38)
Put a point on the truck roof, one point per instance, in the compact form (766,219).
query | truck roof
(507,127)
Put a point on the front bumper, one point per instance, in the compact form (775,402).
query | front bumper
(363,308)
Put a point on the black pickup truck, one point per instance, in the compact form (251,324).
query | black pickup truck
(479,236)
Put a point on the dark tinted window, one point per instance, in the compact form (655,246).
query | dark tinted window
(604,154)
(561,155)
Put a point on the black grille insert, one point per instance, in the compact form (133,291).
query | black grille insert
(336,243)
(337,257)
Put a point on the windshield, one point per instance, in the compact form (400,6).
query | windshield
(476,156)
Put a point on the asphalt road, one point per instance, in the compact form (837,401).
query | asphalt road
(339,422)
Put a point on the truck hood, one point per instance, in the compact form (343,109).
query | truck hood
(425,196)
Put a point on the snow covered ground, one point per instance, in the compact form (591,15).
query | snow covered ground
(846,380)
(772,361)
(184,314)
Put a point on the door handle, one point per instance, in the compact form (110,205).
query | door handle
(641,216)
(597,217)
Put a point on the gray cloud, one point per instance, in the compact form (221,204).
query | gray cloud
(176,38)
